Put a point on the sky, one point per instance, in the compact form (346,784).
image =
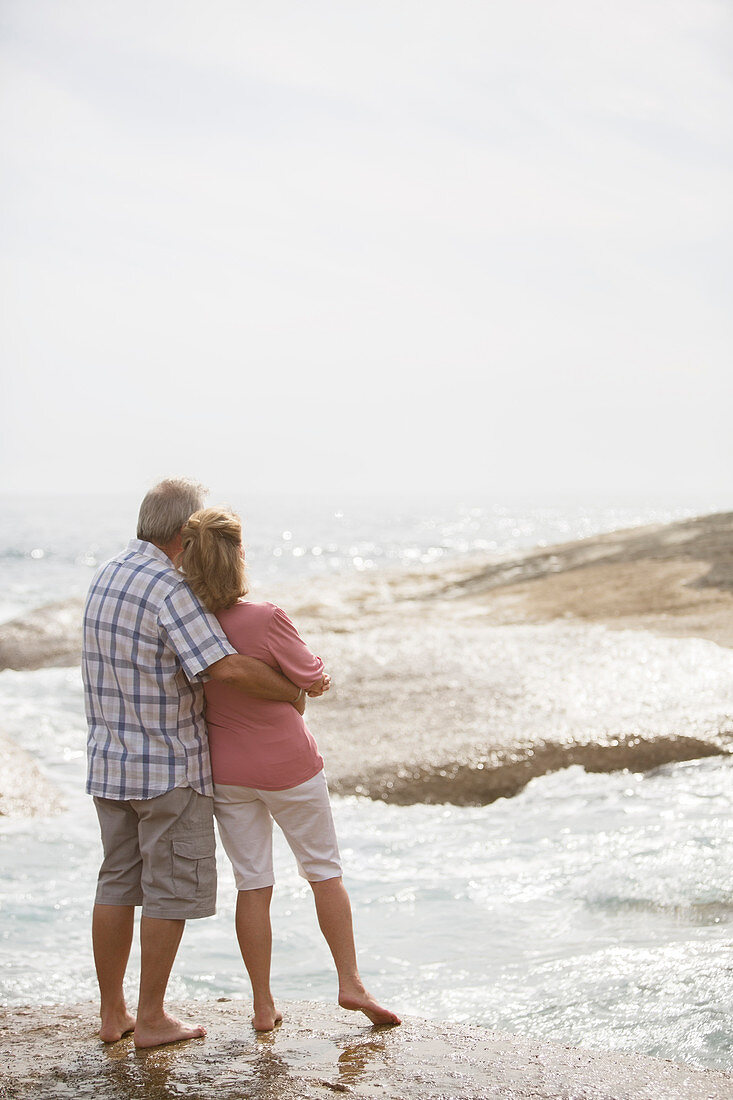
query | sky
(479,247)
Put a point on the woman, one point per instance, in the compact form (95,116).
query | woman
(266,765)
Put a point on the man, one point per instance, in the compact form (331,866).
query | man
(148,647)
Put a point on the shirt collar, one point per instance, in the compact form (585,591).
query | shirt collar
(149,550)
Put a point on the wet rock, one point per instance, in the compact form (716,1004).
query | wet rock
(318,1052)
(48,636)
(674,578)
(440,709)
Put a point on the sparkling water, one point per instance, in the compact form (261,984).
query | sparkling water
(589,909)
(50,547)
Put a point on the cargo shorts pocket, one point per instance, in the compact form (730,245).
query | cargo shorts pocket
(194,864)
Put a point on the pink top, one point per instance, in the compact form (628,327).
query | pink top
(257,742)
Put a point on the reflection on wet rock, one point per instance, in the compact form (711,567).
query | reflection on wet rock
(53,1052)
(354,1061)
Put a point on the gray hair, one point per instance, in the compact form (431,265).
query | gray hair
(166,507)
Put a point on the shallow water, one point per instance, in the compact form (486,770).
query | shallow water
(589,909)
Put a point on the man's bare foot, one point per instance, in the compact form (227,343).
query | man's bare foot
(357,999)
(163,1031)
(115,1026)
(266,1018)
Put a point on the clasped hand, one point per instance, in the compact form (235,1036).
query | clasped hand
(319,687)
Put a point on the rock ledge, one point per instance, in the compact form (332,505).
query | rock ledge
(52,1051)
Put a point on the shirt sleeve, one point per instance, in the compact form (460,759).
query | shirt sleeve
(193,633)
(291,653)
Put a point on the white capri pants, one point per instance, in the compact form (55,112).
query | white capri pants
(244,816)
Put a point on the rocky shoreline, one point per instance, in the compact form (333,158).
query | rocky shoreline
(320,1051)
(461,681)
(674,579)
(47,637)
(454,683)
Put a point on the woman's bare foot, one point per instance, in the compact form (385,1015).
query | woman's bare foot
(266,1017)
(165,1030)
(356,999)
(116,1025)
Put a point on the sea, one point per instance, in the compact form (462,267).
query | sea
(589,909)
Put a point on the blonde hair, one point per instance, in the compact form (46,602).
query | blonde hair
(212,557)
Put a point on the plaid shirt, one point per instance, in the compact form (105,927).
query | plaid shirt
(147,642)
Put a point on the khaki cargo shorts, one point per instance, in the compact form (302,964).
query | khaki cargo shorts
(159,853)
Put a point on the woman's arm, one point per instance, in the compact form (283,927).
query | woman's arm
(294,658)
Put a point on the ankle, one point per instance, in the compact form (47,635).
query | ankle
(150,1017)
(351,983)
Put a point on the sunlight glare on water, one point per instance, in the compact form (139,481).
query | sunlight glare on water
(591,909)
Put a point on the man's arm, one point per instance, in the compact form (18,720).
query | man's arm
(254,677)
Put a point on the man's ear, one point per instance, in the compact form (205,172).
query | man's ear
(175,547)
